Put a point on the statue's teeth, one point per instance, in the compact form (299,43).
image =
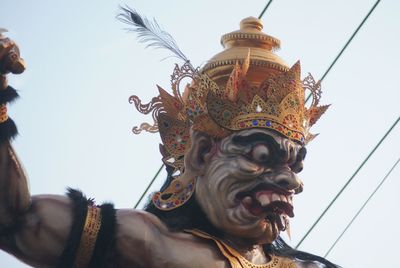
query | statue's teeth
(263,199)
(287,228)
(290,199)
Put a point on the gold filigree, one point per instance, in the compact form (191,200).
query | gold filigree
(185,71)
(314,87)
(236,260)
(89,237)
(254,62)
(155,106)
(175,135)
(277,104)
(176,195)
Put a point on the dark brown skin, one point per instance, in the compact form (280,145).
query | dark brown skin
(40,224)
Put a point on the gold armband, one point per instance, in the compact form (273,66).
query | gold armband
(3,113)
(89,237)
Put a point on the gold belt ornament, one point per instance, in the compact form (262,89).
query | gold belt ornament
(89,237)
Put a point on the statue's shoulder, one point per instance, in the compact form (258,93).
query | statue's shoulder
(143,225)
(136,233)
(137,221)
(143,240)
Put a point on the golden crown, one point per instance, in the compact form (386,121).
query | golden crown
(245,86)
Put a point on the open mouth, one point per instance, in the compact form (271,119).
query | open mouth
(274,204)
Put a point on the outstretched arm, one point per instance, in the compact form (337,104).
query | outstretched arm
(58,231)
(34,229)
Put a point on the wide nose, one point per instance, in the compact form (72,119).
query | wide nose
(287,179)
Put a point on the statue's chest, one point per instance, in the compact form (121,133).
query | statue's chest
(212,253)
(178,253)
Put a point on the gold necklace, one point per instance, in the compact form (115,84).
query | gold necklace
(238,261)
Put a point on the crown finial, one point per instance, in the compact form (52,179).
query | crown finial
(251,23)
(264,63)
(250,35)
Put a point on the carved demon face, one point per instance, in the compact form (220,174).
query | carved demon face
(247,183)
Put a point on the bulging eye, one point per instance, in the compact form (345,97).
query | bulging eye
(260,153)
(13,56)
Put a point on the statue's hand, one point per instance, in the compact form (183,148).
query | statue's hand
(10,60)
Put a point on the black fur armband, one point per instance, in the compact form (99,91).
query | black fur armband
(91,239)
(8,95)
(8,129)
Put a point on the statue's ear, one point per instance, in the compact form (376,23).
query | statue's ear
(200,152)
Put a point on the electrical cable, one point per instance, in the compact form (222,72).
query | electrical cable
(148,186)
(348,181)
(308,97)
(362,207)
(265,9)
(346,45)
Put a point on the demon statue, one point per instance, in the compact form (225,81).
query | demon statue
(233,141)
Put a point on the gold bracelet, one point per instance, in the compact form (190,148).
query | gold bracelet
(89,237)
(3,113)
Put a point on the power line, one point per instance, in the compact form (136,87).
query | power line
(348,181)
(365,160)
(159,170)
(362,207)
(148,186)
(347,44)
(265,9)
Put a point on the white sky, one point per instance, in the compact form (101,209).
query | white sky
(75,120)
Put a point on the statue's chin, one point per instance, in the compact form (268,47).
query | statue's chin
(270,232)
(261,232)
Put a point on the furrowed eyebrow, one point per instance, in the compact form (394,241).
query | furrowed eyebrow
(256,137)
(281,151)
